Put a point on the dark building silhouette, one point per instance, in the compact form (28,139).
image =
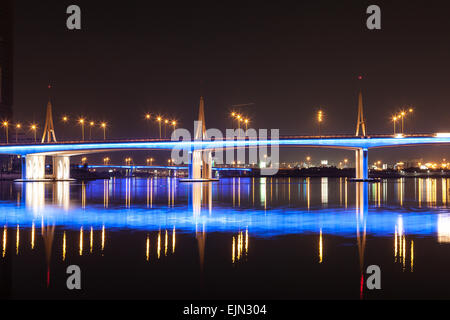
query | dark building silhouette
(6,59)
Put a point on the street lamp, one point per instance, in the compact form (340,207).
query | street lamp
(411,110)
(150,160)
(6,125)
(233,115)
(246,121)
(106,161)
(103,125)
(34,128)
(91,125)
(165,128)
(320,119)
(174,124)
(65,119)
(159,119)
(402,115)
(394,119)
(81,121)
(148,117)
(18,127)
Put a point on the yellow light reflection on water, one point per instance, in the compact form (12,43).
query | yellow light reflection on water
(412,256)
(308,192)
(5,236)
(444,191)
(106,193)
(396,245)
(81,241)
(83,195)
(159,245)
(64,247)
(91,240)
(173,240)
(103,237)
(320,247)
(32,235)
(147,251)
(233,250)
(17,240)
(166,241)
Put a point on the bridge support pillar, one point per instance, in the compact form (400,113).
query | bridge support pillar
(207,165)
(362,164)
(33,167)
(200,166)
(61,168)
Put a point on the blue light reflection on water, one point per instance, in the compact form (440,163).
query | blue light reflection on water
(260,223)
(188,216)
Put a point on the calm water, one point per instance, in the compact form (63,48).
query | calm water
(239,238)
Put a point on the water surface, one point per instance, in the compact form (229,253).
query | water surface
(249,238)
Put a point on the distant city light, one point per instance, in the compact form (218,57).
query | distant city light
(443,135)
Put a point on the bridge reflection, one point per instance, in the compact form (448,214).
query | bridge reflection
(252,211)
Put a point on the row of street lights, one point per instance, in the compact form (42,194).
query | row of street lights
(18,127)
(128,161)
(33,127)
(91,124)
(160,121)
(240,119)
(401,116)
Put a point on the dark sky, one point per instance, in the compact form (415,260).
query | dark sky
(288,58)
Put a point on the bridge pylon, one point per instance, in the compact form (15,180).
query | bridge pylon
(49,129)
(361,122)
(200,161)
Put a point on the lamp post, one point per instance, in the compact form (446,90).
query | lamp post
(394,120)
(165,128)
(18,127)
(81,121)
(103,125)
(91,125)
(402,115)
(174,124)
(106,161)
(148,117)
(411,110)
(238,119)
(320,120)
(159,119)
(34,128)
(6,125)
(233,115)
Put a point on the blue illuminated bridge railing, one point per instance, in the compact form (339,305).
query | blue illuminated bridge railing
(345,142)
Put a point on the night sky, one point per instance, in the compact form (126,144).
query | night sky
(288,58)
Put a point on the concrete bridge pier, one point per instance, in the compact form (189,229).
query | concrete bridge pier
(200,166)
(362,164)
(33,168)
(61,168)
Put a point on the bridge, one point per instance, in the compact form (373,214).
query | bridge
(200,148)
(33,155)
